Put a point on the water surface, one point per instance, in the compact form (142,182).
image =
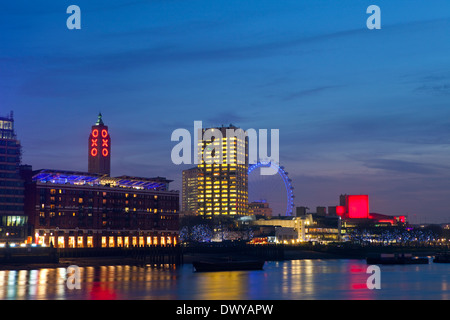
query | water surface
(286,280)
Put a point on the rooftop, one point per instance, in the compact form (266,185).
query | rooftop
(83,178)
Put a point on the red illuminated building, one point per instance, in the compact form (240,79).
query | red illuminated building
(357,206)
(355,209)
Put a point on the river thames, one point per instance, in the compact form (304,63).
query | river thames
(286,280)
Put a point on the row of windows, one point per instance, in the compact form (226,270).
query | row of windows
(12,191)
(11,208)
(9,143)
(9,159)
(106,242)
(7,167)
(103,200)
(11,199)
(108,194)
(7,175)
(9,150)
(14,221)
(11,183)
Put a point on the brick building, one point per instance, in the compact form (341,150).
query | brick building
(77,209)
(92,209)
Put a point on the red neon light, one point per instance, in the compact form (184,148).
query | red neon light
(105,152)
(340,210)
(94,152)
(105,143)
(387,220)
(402,219)
(94,142)
(358,206)
(95,133)
(104,133)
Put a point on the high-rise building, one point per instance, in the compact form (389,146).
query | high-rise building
(13,221)
(222,188)
(99,149)
(189,199)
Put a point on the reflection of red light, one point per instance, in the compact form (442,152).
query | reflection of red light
(358,206)
(340,210)
(105,143)
(387,221)
(358,286)
(356,269)
(99,293)
(94,152)
(104,133)
(105,152)
(95,133)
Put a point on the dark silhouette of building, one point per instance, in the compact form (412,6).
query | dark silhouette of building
(13,220)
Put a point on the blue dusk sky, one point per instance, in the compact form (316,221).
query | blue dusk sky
(359,111)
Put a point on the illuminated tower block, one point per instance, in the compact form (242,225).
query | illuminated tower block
(222,188)
(189,203)
(99,148)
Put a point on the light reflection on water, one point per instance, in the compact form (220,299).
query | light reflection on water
(287,280)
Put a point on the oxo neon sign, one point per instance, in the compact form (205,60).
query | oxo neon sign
(99,142)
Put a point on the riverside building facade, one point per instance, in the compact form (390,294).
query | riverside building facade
(71,209)
(78,210)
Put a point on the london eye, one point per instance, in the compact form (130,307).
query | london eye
(286,180)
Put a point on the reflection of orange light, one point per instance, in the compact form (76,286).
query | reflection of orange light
(95,133)
(104,133)
(105,152)
(105,143)
(94,142)
(94,152)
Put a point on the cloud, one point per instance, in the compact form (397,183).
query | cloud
(225,118)
(437,89)
(401,166)
(308,92)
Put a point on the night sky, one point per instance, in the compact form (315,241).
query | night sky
(359,111)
